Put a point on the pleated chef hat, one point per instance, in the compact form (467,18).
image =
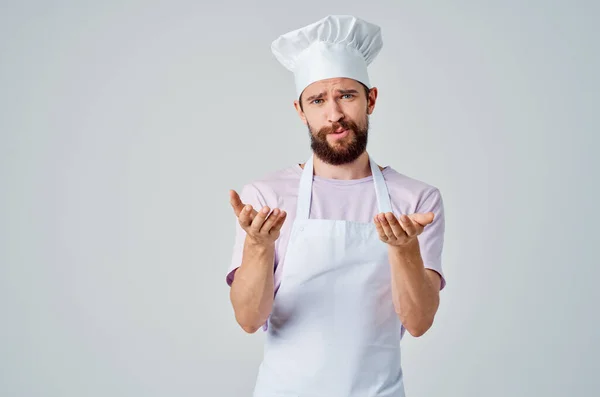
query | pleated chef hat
(335,46)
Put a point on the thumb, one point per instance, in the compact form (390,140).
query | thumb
(236,202)
(422,218)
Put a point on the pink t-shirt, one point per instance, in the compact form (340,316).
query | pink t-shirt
(352,200)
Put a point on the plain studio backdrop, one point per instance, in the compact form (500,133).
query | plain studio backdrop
(124,123)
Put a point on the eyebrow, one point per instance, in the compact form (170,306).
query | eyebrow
(351,91)
(313,97)
(321,94)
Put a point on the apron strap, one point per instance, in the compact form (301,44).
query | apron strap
(305,189)
(381,190)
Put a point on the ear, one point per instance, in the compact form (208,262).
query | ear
(299,111)
(371,99)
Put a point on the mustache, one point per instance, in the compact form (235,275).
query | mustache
(347,125)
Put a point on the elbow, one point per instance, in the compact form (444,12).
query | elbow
(418,328)
(417,331)
(250,329)
(249,325)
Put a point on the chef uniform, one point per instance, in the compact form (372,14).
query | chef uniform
(333,330)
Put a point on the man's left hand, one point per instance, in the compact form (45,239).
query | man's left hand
(403,230)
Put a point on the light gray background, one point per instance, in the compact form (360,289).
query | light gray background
(123,125)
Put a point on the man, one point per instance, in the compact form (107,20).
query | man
(337,257)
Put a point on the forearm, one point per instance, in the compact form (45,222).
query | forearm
(416,298)
(251,292)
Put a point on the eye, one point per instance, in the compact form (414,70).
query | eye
(348,95)
(314,101)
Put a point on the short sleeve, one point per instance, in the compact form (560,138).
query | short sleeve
(249,195)
(431,240)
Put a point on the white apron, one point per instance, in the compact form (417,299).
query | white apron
(333,330)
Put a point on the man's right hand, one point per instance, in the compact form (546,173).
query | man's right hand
(261,227)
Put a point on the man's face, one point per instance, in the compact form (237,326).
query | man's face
(336,112)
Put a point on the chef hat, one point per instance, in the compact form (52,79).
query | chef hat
(335,46)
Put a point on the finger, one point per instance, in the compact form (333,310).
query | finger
(245,216)
(271,219)
(259,219)
(418,226)
(395,225)
(410,228)
(252,214)
(423,219)
(279,222)
(386,226)
(236,202)
(379,228)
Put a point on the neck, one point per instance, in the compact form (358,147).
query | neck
(359,168)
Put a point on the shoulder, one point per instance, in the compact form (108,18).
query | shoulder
(412,191)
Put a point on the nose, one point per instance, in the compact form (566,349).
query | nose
(334,112)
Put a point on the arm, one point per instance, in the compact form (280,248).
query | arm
(252,288)
(415,289)
(415,247)
(251,292)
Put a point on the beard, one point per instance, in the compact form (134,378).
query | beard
(344,150)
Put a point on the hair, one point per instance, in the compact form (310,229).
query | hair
(367,90)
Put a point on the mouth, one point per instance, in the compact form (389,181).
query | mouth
(340,133)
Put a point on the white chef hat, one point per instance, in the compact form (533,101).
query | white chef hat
(335,46)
